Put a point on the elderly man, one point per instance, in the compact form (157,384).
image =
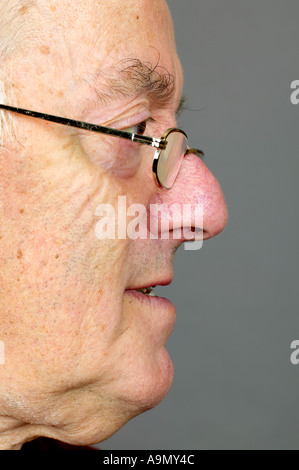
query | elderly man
(84,347)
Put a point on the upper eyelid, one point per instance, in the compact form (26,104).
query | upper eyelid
(180,109)
(118,123)
(149,120)
(124,123)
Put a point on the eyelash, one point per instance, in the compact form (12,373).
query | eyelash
(140,128)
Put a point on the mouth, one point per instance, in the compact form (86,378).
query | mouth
(157,312)
(148,291)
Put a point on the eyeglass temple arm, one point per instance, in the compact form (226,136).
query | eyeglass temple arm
(157,143)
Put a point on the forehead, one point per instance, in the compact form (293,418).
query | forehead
(140,26)
(104,36)
(89,46)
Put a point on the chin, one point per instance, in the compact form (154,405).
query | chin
(168,374)
(153,387)
(130,398)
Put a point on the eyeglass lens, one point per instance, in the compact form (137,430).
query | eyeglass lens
(171,158)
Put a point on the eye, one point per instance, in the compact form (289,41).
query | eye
(138,128)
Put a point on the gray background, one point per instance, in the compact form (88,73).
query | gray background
(237,299)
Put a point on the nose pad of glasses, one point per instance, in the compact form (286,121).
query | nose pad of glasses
(198,153)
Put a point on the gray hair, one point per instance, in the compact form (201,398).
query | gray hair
(7,121)
(13,26)
(13,38)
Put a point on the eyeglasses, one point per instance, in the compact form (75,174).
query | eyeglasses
(170,149)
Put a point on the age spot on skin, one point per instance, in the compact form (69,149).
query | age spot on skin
(23,10)
(19,254)
(45,50)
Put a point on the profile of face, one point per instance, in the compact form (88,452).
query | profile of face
(84,350)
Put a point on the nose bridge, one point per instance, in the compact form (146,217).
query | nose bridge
(196,185)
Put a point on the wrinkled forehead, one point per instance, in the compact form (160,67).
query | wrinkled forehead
(94,40)
(109,30)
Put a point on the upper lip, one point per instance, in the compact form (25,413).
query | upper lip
(154,283)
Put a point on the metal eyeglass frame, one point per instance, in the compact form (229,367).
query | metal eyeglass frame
(159,144)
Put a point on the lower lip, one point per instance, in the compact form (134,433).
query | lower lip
(158,313)
(152,300)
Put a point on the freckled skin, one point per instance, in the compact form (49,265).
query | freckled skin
(23,10)
(82,357)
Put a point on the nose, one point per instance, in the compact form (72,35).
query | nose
(195,184)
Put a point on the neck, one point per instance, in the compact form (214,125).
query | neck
(20,421)
(14,434)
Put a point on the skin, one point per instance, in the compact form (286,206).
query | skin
(82,355)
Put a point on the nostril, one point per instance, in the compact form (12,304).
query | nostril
(197,230)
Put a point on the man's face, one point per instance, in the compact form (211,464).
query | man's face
(84,351)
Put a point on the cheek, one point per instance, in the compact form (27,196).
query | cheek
(117,156)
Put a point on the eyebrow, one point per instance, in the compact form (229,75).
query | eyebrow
(132,77)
